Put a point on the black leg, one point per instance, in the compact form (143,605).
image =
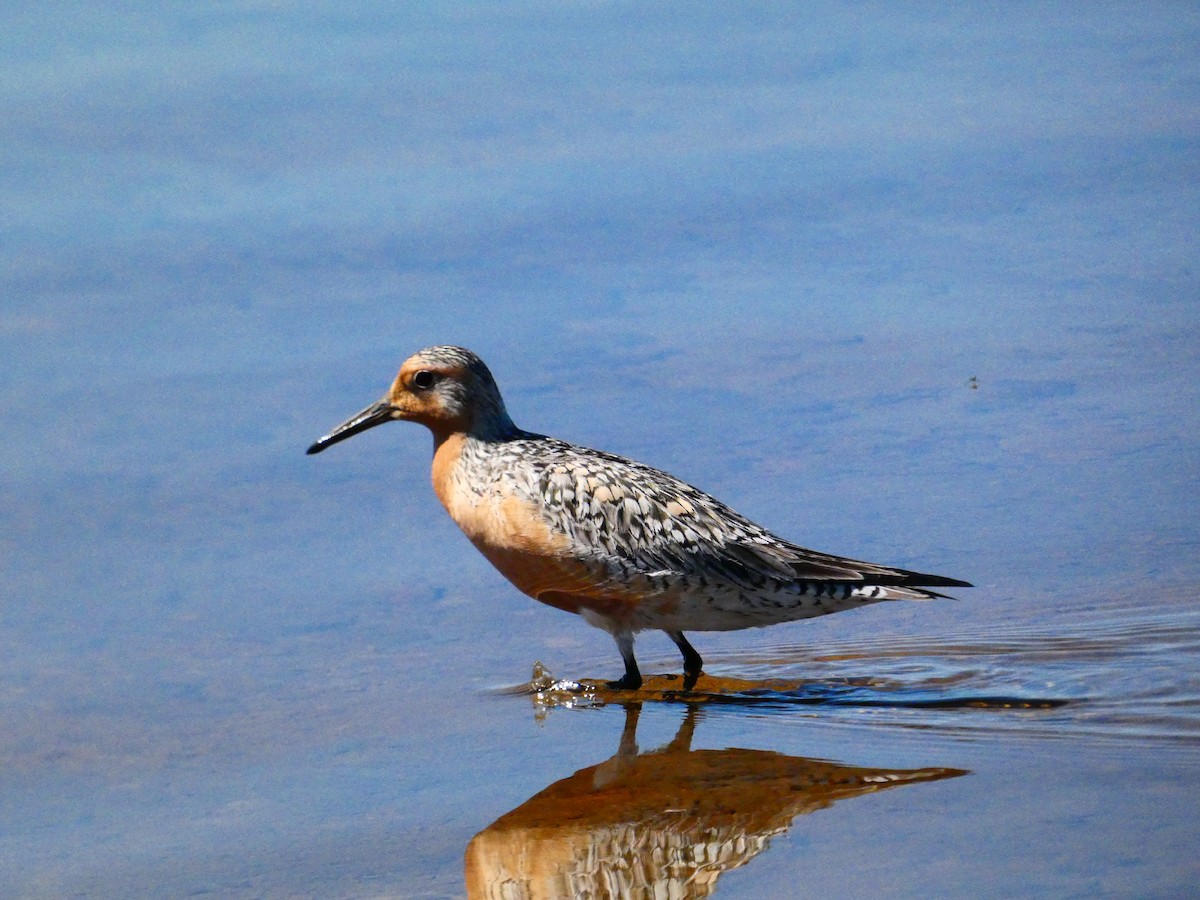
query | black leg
(632,679)
(692,663)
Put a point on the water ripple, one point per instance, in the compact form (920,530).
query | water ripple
(1120,673)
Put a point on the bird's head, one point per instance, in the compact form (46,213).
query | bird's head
(447,389)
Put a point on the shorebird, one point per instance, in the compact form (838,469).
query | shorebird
(624,545)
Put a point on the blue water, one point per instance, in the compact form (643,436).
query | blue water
(913,286)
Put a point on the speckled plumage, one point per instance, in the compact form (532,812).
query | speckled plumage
(625,545)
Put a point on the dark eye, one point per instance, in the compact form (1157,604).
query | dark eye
(423,380)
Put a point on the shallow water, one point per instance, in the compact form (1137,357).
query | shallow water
(1114,673)
(907,286)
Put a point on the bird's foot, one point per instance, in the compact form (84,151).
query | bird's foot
(627,682)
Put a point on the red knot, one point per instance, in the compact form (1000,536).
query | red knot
(624,545)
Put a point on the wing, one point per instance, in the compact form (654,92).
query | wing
(634,518)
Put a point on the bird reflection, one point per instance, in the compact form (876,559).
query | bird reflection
(665,823)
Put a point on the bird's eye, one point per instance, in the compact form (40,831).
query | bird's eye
(423,380)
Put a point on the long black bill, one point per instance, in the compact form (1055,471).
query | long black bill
(373,415)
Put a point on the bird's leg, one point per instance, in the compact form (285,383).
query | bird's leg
(692,663)
(632,679)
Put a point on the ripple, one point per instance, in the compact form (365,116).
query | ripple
(1118,672)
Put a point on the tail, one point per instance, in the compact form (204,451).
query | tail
(914,586)
(893,592)
(909,589)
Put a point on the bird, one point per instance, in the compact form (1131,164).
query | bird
(626,546)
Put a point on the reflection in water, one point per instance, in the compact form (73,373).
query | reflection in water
(665,823)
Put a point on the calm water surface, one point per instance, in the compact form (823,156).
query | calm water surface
(908,287)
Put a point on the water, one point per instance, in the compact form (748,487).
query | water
(971,685)
(908,286)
